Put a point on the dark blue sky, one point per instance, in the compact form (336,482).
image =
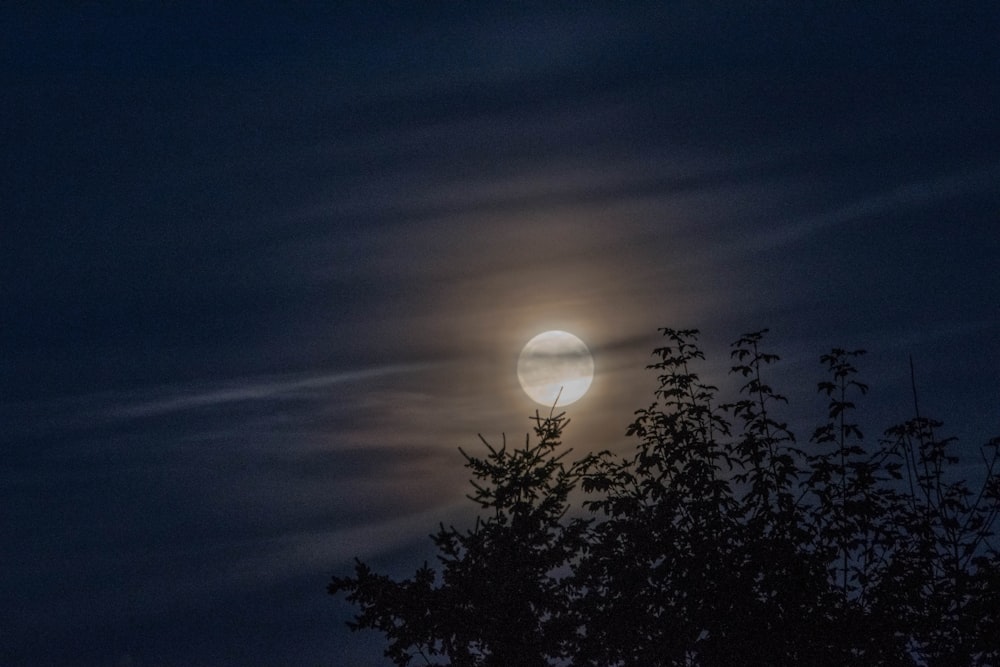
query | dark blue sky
(264,270)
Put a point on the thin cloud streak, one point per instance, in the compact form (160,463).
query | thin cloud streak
(291,554)
(39,418)
(254,392)
(908,197)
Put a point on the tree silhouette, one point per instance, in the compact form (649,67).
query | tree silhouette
(718,540)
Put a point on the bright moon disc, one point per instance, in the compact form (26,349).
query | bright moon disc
(554,362)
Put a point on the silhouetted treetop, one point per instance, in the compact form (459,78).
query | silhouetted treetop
(719,539)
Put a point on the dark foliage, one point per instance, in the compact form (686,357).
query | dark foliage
(717,541)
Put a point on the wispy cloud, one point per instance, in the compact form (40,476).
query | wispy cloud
(291,554)
(253,390)
(119,407)
(906,197)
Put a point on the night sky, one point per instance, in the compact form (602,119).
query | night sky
(263,270)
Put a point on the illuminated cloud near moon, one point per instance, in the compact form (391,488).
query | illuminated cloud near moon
(555,368)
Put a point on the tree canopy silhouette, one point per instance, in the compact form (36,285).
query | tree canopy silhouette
(718,540)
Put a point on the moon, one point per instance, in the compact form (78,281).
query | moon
(555,365)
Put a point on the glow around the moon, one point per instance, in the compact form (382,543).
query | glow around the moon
(555,364)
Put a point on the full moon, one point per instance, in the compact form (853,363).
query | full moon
(555,364)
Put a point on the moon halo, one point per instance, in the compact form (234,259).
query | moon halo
(555,365)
